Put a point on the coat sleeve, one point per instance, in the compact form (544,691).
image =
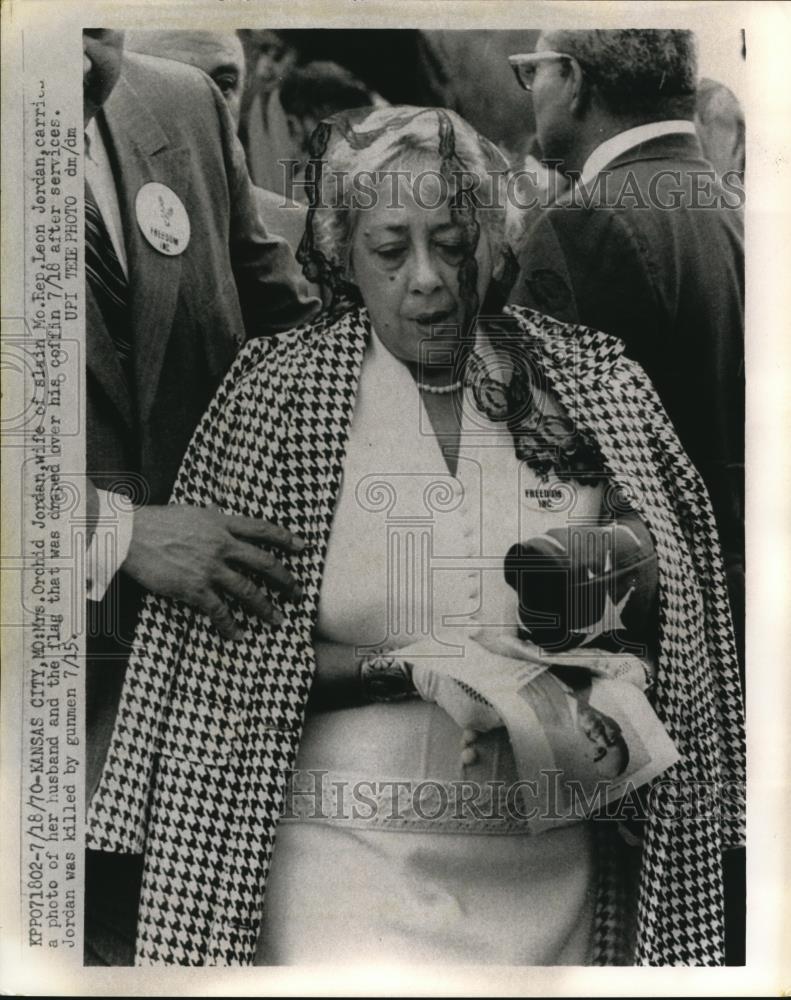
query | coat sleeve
(166,635)
(272,289)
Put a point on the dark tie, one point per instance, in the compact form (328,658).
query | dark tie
(108,282)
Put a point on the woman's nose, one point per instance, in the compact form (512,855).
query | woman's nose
(425,278)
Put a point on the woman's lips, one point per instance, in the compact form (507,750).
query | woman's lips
(435,318)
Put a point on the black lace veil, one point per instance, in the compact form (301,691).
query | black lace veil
(353,150)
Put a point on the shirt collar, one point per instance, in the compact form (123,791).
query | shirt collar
(90,137)
(94,141)
(612,148)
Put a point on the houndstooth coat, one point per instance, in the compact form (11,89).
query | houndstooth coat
(207,729)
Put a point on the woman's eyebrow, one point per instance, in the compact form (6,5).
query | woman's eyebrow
(399,229)
(388,227)
(445,226)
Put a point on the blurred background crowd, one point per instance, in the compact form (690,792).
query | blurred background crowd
(280,84)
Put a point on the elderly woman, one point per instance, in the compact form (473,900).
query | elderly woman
(415,437)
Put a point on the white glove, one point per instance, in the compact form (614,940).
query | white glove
(433,682)
(467,708)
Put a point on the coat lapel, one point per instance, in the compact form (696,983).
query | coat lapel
(142,154)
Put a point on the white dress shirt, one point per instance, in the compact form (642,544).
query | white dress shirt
(99,174)
(612,148)
(110,543)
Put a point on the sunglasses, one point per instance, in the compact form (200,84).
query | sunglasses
(525,64)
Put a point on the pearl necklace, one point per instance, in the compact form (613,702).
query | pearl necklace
(439,390)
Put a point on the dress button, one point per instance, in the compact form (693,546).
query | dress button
(468,736)
(469,755)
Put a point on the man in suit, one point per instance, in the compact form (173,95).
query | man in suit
(218,53)
(221,56)
(647,245)
(179,272)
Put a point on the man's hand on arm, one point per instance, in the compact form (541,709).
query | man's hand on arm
(204,557)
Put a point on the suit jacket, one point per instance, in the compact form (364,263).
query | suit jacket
(669,282)
(190,314)
(287,218)
(282,215)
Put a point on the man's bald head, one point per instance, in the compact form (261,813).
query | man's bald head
(217,53)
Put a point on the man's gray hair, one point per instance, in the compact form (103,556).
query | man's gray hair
(650,73)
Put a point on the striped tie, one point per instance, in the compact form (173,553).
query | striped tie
(108,282)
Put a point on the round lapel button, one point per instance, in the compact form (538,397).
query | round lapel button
(162,219)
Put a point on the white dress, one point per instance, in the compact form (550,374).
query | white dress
(374,861)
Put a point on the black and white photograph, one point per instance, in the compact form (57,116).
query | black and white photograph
(378,436)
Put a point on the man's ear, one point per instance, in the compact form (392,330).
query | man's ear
(580,88)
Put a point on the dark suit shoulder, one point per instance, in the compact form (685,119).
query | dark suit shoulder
(569,220)
(568,250)
(656,195)
(660,218)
